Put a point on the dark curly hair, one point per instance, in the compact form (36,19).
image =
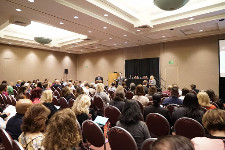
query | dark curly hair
(131,113)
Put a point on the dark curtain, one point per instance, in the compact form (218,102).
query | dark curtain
(142,67)
(222,88)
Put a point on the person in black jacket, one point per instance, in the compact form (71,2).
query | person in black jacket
(156,108)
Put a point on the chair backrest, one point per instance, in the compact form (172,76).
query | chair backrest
(59,90)
(16,145)
(120,139)
(113,113)
(56,93)
(157,124)
(4,99)
(111,93)
(63,103)
(53,89)
(141,107)
(14,92)
(189,128)
(93,133)
(145,145)
(1,100)
(71,101)
(129,95)
(98,102)
(9,101)
(6,139)
(171,107)
(28,95)
(13,101)
(55,101)
(215,104)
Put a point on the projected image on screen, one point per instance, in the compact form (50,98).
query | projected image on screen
(222,57)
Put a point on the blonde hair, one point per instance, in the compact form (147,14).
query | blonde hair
(151,77)
(120,88)
(46,96)
(203,99)
(100,87)
(62,131)
(82,104)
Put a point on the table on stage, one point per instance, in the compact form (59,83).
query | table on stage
(135,81)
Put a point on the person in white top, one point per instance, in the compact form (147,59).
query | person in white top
(139,95)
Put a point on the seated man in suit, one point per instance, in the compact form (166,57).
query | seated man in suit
(99,78)
(14,123)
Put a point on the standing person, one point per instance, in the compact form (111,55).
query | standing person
(152,81)
(130,120)
(120,79)
(99,78)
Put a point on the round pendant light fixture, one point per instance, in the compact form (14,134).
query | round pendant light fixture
(170,5)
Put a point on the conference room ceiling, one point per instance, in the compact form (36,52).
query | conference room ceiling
(100,25)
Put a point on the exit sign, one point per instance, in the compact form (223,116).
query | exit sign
(171,62)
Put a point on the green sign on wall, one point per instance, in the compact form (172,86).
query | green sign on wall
(171,62)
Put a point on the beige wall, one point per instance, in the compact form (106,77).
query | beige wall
(195,61)
(28,64)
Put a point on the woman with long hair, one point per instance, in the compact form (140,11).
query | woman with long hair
(100,92)
(62,132)
(33,126)
(21,93)
(81,108)
(130,120)
(190,108)
(204,100)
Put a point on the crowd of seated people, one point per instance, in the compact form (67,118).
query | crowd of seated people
(38,111)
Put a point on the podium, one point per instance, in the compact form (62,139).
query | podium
(112,77)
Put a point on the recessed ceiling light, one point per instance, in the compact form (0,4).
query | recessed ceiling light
(18,10)
(96,47)
(114,44)
(89,31)
(124,35)
(200,30)
(138,30)
(125,42)
(76,17)
(31,1)
(61,23)
(163,36)
(191,19)
(106,15)
(81,50)
(105,27)
(110,38)
(10,43)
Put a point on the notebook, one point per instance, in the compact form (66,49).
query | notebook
(101,120)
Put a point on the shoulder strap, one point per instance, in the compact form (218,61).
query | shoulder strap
(30,141)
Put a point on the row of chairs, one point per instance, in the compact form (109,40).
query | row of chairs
(62,102)
(7,100)
(8,143)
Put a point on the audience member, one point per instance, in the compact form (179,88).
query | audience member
(86,89)
(130,120)
(3,89)
(57,84)
(14,123)
(79,91)
(172,142)
(36,95)
(184,92)
(118,100)
(214,98)
(81,108)
(100,92)
(33,126)
(174,98)
(21,93)
(132,88)
(193,87)
(152,90)
(46,99)
(112,87)
(168,91)
(156,108)
(92,88)
(67,94)
(204,100)
(10,88)
(214,122)
(145,86)
(139,95)
(99,78)
(62,132)
(190,108)
(70,86)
